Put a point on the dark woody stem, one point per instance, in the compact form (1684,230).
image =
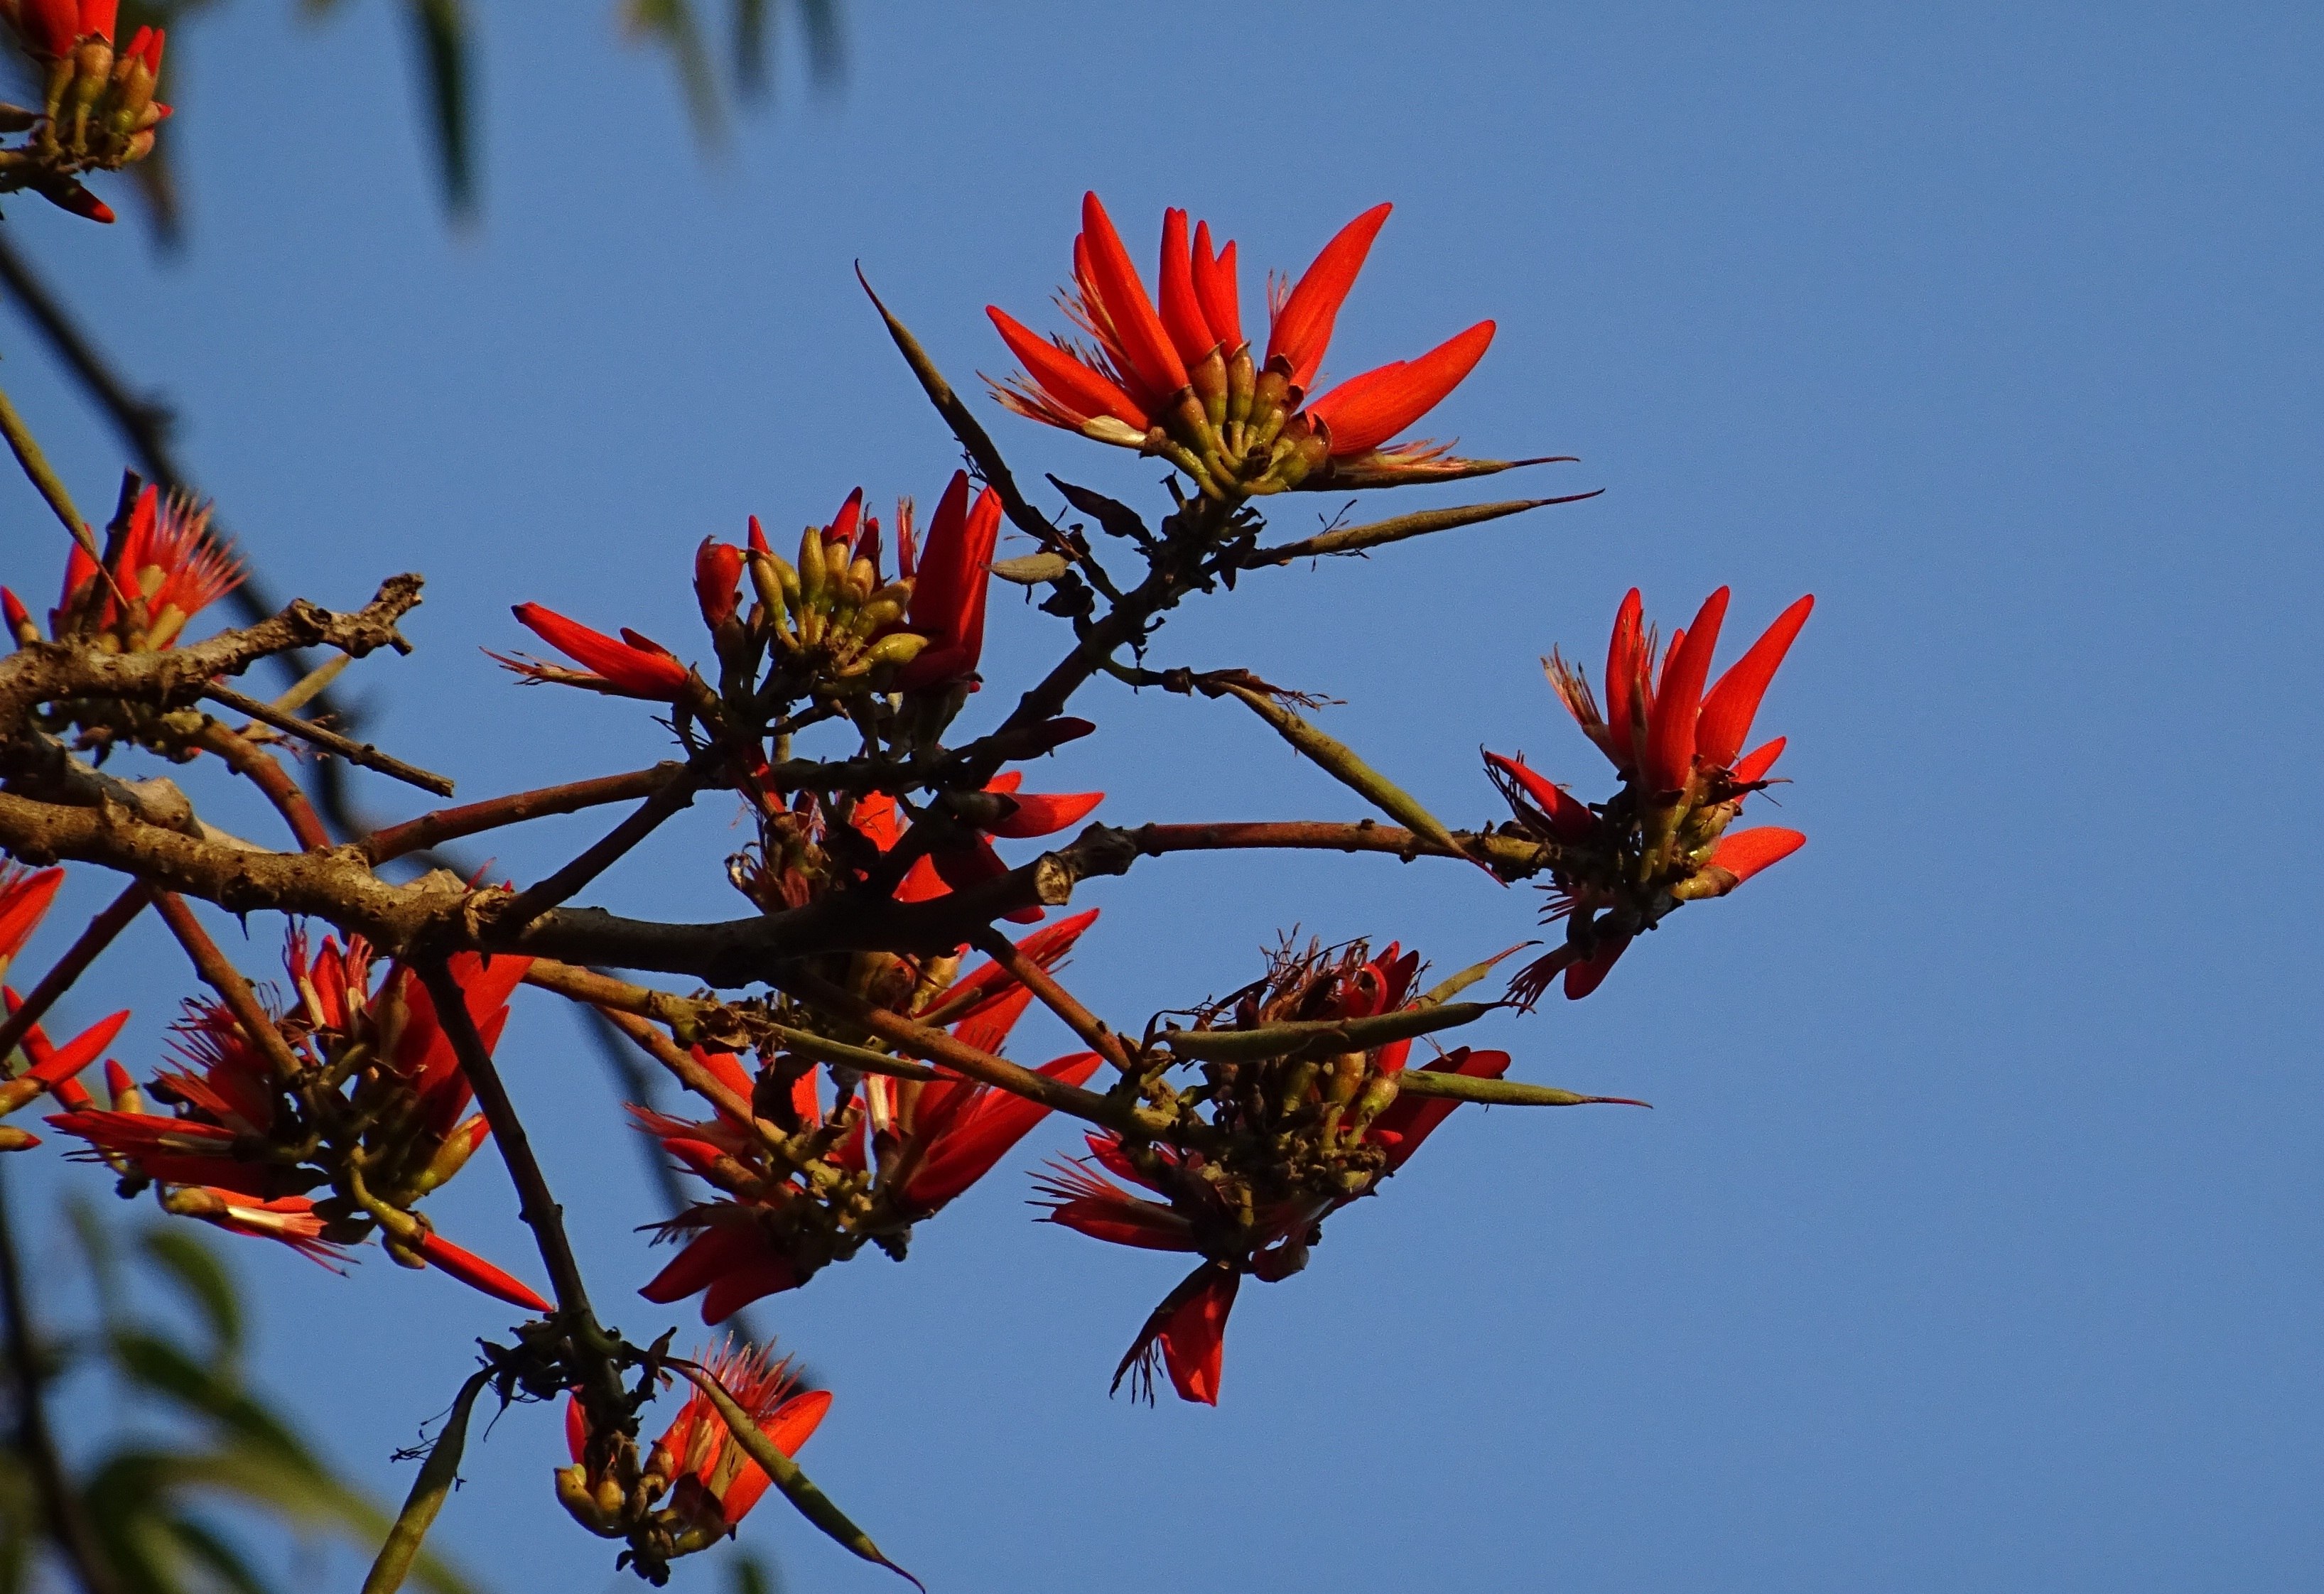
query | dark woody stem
(1055,997)
(919,1040)
(446,825)
(361,753)
(536,900)
(232,990)
(259,766)
(602,1394)
(1513,856)
(677,1059)
(109,923)
(68,1521)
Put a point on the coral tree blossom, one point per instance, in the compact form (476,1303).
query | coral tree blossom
(1180,379)
(887,1154)
(1677,743)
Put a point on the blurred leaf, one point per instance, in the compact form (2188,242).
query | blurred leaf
(754,65)
(167,1371)
(753,1576)
(202,1277)
(97,1244)
(670,23)
(224,1563)
(442,36)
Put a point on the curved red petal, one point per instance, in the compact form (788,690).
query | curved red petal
(1045,814)
(1745,853)
(1365,411)
(1076,389)
(1678,699)
(1586,976)
(1567,815)
(647,671)
(1303,329)
(1215,290)
(1754,764)
(480,1275)
(1182,309)
(1145,346)
(1730,707)
(1193,1338)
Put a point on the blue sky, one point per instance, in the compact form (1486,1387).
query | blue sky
(1975,1238)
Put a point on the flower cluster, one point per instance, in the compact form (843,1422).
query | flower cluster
(164,567)
(809,1183)
(696,1482)
(1181,381)
(97,110)
(1618,867)
(358,1088)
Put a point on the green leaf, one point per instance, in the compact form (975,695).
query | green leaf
(225,1563)
(752,1576)
(201,1278)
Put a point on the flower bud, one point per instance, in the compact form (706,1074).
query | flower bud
(717,571)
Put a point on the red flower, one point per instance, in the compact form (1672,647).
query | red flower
(930,1143)
(290,1219)
(634,666)
(57,1069)
(170,569)
(1212,1202)
(712,1481)
(1182,382)
(1665,839)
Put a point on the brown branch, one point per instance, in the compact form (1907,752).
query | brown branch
(68,1521)
(444,824)
(45,672)
(538,899)
(232,990)
(109,923)
(601,1388)
(1038,979)
(1513,856)
(678,1060)
(258,765)
(936,1045)
(355,753)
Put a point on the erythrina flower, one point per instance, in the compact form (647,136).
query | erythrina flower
(55,1069)
(1663,839)
(711,1481)
(170,569)
(950,583)
(1288,1139)
(1182,382)
(97,106)
(891,1152)
(394,1132)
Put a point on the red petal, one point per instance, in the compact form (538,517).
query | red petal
(714,1251)
(990,982)
(23,899)
(1670,733)
(1625,682)
(1745,853)
(1410,1119)
(1303,329)
(1586,976)
(763,1274)
(1182,311)
(1759,762)
(651,671)
(78,1052)
(1215,290)
(576,1427)
(1144,346)
(1567,815)
(788,1429)
(1729,710)
(1193,1338)
(1365,411)
(480,1275)
(971,1142)
(1045,814)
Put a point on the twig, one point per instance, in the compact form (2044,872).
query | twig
(538,899)
(258,765)
(28,453)
(438,1474)
(232,990)
(602,1393)
(1038,979)
(938,1047)
(109,923)
(678,1060)
(444,825)
(354,752)
(68,1522)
